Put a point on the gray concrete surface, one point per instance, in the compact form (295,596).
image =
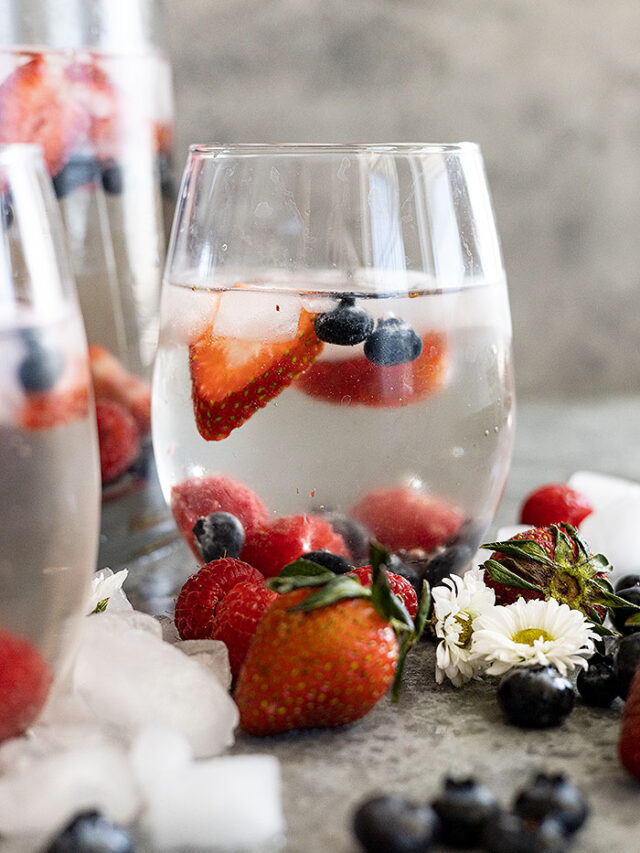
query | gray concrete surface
(550,90)
(435,731)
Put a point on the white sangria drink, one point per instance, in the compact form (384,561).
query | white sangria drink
(375,399)
(49,471)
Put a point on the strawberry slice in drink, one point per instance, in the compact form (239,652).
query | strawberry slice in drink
(233,378)
(358,381)
(35,106)
(92,87)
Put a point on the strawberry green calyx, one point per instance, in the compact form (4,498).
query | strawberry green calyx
(555,562)
(333,588)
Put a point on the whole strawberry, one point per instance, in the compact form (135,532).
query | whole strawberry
(325,652)
(554,503)
(552,562)
(399,586)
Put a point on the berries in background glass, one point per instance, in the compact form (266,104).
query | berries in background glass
(554,503)
(465,809)
(219,534)
(535,697)
(390,823)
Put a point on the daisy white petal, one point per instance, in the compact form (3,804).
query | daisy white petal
(526,633)
(458,601)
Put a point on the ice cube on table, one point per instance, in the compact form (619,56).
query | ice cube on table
(228,803)
(130,678)
(40,796)
(254,316)
(602,489)
(613,531)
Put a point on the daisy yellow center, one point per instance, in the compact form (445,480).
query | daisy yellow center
(528,636)
(464,620)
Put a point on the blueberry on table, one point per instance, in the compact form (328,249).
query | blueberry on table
(536,697)
(509,833)
(346,325)
(620,615)
(90,832)
(218,535)
(598,685)
(336,563)
(626,662)
(553,796)
(627,581)
(465,809)
(78,172)
(392,824)
(393,342)
(41,366)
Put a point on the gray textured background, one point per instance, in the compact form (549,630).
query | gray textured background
(551,91)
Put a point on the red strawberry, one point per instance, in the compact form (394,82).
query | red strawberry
(629,741)
(91,87)
(232,379)
(111,381)
(358,381)
(237,617)
(52,408)
(317,668)
(272,545)
(399,586)
(118,439)
(25,680)
(554,503)
(551,562)
(200,496)
(403,518)
(200,595)
(35,106)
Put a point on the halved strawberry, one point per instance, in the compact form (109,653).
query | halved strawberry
(359,381)
(233,378)
(112,381)
(35,107)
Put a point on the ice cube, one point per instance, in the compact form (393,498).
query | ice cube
(130,678)
(40,796)
(602,489)
(612,531)
(229,803)
(191,311)
(168,626)
(212,654)
(268,317)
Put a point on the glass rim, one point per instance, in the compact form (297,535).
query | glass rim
(248,149)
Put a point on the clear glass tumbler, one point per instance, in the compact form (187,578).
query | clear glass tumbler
(89,81)
(49,471)
(336,339)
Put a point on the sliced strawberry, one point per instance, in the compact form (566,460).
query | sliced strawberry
(358,381)
(91,87)
(111,381)
(403,519)
(200,496)
(53,408)
(35,106)
(232,378)
(272,545)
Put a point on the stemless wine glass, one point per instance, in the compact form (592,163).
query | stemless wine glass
(49,472)
(335,338)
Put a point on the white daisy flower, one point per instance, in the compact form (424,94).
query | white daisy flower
(533,632)
(106,589)
(457,603)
